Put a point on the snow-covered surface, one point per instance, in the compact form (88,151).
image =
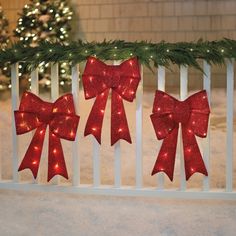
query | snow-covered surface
(65,214)
(42,214)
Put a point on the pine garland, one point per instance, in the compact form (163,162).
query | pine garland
(149,54)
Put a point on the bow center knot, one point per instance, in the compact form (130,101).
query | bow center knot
(46,113)
(181,112)
(115,77)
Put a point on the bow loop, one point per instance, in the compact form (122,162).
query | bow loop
(96,78)
(64,105)
(198,102)
(162,125)
(129,79)
(200,110)
(33,104)
(26,121)
(198,123)
(163,103)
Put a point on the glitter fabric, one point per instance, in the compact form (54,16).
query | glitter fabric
(98,79)
(36,114)
(193,115)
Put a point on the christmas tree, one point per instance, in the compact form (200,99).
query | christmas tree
(43,20)
(4,41)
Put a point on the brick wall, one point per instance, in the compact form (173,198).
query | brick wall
(170,20)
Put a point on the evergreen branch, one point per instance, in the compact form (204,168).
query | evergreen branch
(148,53)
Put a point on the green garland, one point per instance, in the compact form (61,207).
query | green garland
(149,54)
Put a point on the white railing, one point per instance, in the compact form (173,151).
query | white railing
(138,188)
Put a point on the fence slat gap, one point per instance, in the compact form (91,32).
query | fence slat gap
(75,144)
(161,73)
(15,104)
(230,124)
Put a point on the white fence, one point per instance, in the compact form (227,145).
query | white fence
(118,189)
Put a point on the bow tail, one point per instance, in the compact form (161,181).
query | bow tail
(119,124)
(32,157)
(166,158)
(95,119)
(56,161)
(192,156)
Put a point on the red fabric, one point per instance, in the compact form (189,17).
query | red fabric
(98,78)
(36,114)
(193,115)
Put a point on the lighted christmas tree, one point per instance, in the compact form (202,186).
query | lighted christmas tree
(4,41)
(48,20)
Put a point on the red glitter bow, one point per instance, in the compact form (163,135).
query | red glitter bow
(123,79)
(193,114)
(63,122)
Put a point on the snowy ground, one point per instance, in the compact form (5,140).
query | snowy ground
(62,214)
(42,214)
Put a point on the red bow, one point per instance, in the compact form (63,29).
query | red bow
(37,114)
(193,114)
(123,79)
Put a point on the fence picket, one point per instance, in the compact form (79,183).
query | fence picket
(230,124)
(117,152)
(34,87)
(161,86)
(207,147)
(139,130)
(54,96)
(15,104)
(96,163)
(34,82)
(183,96)
(75,144)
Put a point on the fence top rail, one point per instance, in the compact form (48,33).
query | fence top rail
(149,54)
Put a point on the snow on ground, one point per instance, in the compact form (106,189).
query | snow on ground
(43,214)
(65,214)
